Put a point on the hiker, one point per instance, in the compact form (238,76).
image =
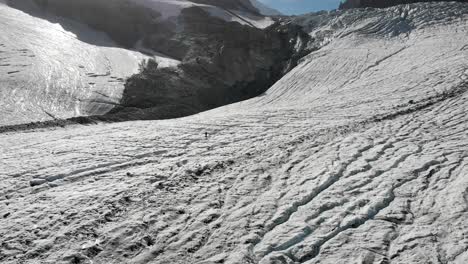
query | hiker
(206,135)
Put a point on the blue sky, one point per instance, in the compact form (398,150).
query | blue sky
(295,7)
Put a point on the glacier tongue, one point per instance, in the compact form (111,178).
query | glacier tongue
(358,155)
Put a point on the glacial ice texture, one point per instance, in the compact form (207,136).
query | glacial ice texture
(358,155)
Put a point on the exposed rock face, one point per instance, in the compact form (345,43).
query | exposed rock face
(226,63)
(385,3)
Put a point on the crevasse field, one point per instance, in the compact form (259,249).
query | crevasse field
(358,155)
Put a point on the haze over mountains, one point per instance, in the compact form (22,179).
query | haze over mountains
(351,149)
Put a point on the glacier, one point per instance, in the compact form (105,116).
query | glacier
(356,155)
(48,71)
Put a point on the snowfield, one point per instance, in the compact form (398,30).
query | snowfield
(358,155)
(49,72)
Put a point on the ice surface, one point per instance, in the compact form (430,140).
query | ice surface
(46,70)
(358,155)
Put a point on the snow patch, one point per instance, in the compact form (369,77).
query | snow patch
(162,60)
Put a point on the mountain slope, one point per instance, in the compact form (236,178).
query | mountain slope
(74,51)
(48,71)
(357,155)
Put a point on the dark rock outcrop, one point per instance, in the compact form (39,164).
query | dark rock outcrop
(226,62)
(346,4)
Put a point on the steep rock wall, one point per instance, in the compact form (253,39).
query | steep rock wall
(226,63)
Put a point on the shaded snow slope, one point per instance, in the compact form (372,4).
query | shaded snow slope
(47,71)
(358,155)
